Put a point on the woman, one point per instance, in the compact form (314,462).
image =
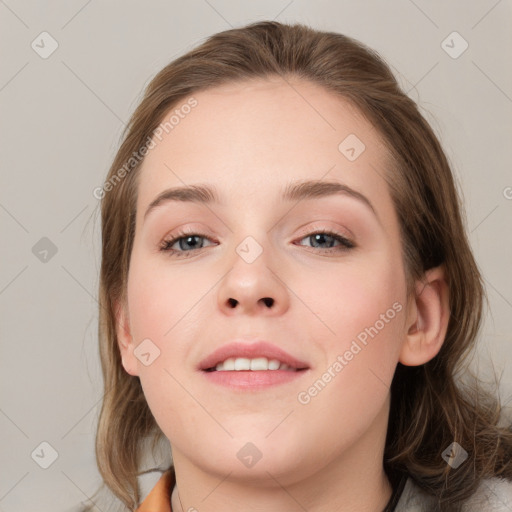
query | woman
(287,375)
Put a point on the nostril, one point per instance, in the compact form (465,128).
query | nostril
(268,301)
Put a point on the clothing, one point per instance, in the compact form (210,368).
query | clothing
(493,495)
(159,498)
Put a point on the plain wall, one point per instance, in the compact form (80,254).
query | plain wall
(61,121)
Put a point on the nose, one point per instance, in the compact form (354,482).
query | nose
(253,286)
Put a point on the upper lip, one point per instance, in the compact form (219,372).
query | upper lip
(250,350)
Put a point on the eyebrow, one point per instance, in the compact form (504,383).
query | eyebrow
(297,191)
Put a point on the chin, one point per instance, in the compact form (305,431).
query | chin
(260,460)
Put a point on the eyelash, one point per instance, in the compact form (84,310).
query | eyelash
(166,245)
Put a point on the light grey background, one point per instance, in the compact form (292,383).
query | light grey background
(61,120)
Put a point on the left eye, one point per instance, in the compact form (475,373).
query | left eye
(320,237)
(187,243)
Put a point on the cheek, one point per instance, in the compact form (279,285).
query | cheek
(161,306)
(351,300)
(362,317)
(166,307)
(161,301)
(362,314)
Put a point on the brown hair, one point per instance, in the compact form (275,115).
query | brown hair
(429,408)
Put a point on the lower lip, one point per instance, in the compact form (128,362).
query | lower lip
(253,380)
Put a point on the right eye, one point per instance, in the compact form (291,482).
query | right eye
(183,239)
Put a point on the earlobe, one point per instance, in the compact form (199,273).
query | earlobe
(125,339)
(429,313)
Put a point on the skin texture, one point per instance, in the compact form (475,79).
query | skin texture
(249,140)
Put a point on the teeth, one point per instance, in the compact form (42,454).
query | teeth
(256,364)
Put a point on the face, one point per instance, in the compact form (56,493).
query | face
(319,276)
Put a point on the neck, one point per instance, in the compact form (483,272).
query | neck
(353,481)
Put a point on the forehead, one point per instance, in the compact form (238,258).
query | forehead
(252,138)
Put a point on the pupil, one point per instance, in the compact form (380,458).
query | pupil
(189,238)
(319,237)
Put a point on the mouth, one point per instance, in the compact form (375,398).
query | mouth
(257,364)
(258,356)
(242,366)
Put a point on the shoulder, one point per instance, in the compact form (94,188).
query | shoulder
(492,495)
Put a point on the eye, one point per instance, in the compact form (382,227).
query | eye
(184,241)
(187,242)
(329,238)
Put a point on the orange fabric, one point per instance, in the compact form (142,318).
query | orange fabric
(159,499)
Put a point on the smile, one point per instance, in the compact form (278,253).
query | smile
(256,364)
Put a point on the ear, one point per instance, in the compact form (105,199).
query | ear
(427,319)
(125,339)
